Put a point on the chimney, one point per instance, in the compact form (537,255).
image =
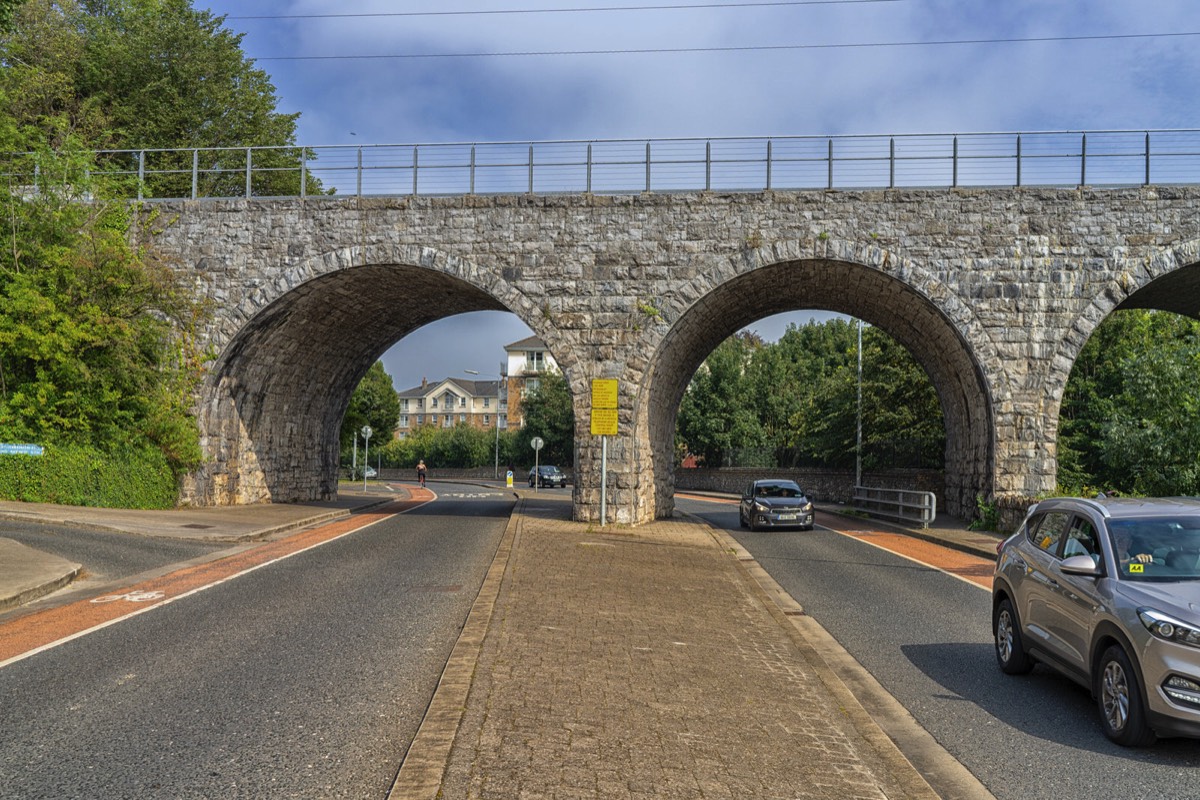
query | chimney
(424,383)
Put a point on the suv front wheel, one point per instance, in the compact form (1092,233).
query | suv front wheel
(1119,695)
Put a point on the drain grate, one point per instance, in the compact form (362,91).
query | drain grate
(197,526)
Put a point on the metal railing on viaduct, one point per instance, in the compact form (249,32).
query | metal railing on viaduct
(1047,158)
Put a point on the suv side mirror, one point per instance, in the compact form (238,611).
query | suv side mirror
(1080,565)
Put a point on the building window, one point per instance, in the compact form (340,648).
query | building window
(404,420)
(487,419)
(404,404)
(535,360)
(487,402)
(420,419)
(433,418)
(462,402)
(449,420)
(433,403)
(462,418)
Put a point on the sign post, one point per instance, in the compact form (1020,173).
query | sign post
(537,444)
(604,424)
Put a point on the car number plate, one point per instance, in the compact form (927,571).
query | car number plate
(788,516)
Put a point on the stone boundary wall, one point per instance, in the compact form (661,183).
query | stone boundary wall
(822,485)
(1012,512)
(520,474)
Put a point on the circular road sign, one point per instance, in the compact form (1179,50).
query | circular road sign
(537,443)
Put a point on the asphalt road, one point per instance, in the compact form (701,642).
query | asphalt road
(305,678)
(107,557)
(926,638)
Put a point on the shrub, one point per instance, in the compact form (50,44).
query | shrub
(84,476)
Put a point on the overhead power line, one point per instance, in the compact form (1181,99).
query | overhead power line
(689,6)
(742,49)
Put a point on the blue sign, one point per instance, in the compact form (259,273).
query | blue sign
(20,449)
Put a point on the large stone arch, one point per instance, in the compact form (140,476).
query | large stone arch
(867,282)
(292,349)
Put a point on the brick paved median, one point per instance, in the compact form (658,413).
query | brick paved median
(644,663)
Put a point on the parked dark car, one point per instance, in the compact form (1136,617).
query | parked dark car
(775,504)
(1107,592)
(548,475)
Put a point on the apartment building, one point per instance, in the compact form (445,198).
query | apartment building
(527,360)
(484,404)
(450,402)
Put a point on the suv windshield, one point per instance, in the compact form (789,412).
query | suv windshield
(1157,549)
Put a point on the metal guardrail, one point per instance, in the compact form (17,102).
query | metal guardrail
(897,504)
(623,166)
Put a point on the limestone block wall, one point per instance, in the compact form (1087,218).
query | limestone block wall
(993,291)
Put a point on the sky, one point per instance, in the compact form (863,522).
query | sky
(734,68)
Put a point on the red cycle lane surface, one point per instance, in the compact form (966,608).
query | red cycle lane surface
(34,633)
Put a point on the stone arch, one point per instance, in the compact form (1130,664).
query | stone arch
(1166,281)
(295,346)
(867,282)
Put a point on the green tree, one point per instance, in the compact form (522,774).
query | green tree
(549,414)
(8,11)
(716,414)
(98,341)
(375,403)
(902,418)
(134,74)
(1130,407)
(798,398)
(1153,437)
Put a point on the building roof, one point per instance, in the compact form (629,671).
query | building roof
(528,343)
(469,388)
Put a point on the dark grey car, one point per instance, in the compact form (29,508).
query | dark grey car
(775,504)
(1107,592)
(547,476)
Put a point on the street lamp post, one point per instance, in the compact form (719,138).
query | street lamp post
(366,434)
(499,380)
(858,433)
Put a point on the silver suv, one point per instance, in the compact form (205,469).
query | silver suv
(1107,592)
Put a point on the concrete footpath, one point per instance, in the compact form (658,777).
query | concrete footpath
(652,662)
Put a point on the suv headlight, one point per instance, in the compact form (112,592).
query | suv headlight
(807,507)
(761,506)
(1169,628)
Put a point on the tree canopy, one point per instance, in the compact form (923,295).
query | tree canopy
(98,338)
(133,74)
(795,402)
(549,414)
(1130,414)
(375,403)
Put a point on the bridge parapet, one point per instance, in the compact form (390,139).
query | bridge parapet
(621,166)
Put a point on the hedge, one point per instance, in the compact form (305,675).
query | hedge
(84,476)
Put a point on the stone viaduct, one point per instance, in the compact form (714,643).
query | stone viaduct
(994,291)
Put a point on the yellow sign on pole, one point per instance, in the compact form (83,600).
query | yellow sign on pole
(604,407)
